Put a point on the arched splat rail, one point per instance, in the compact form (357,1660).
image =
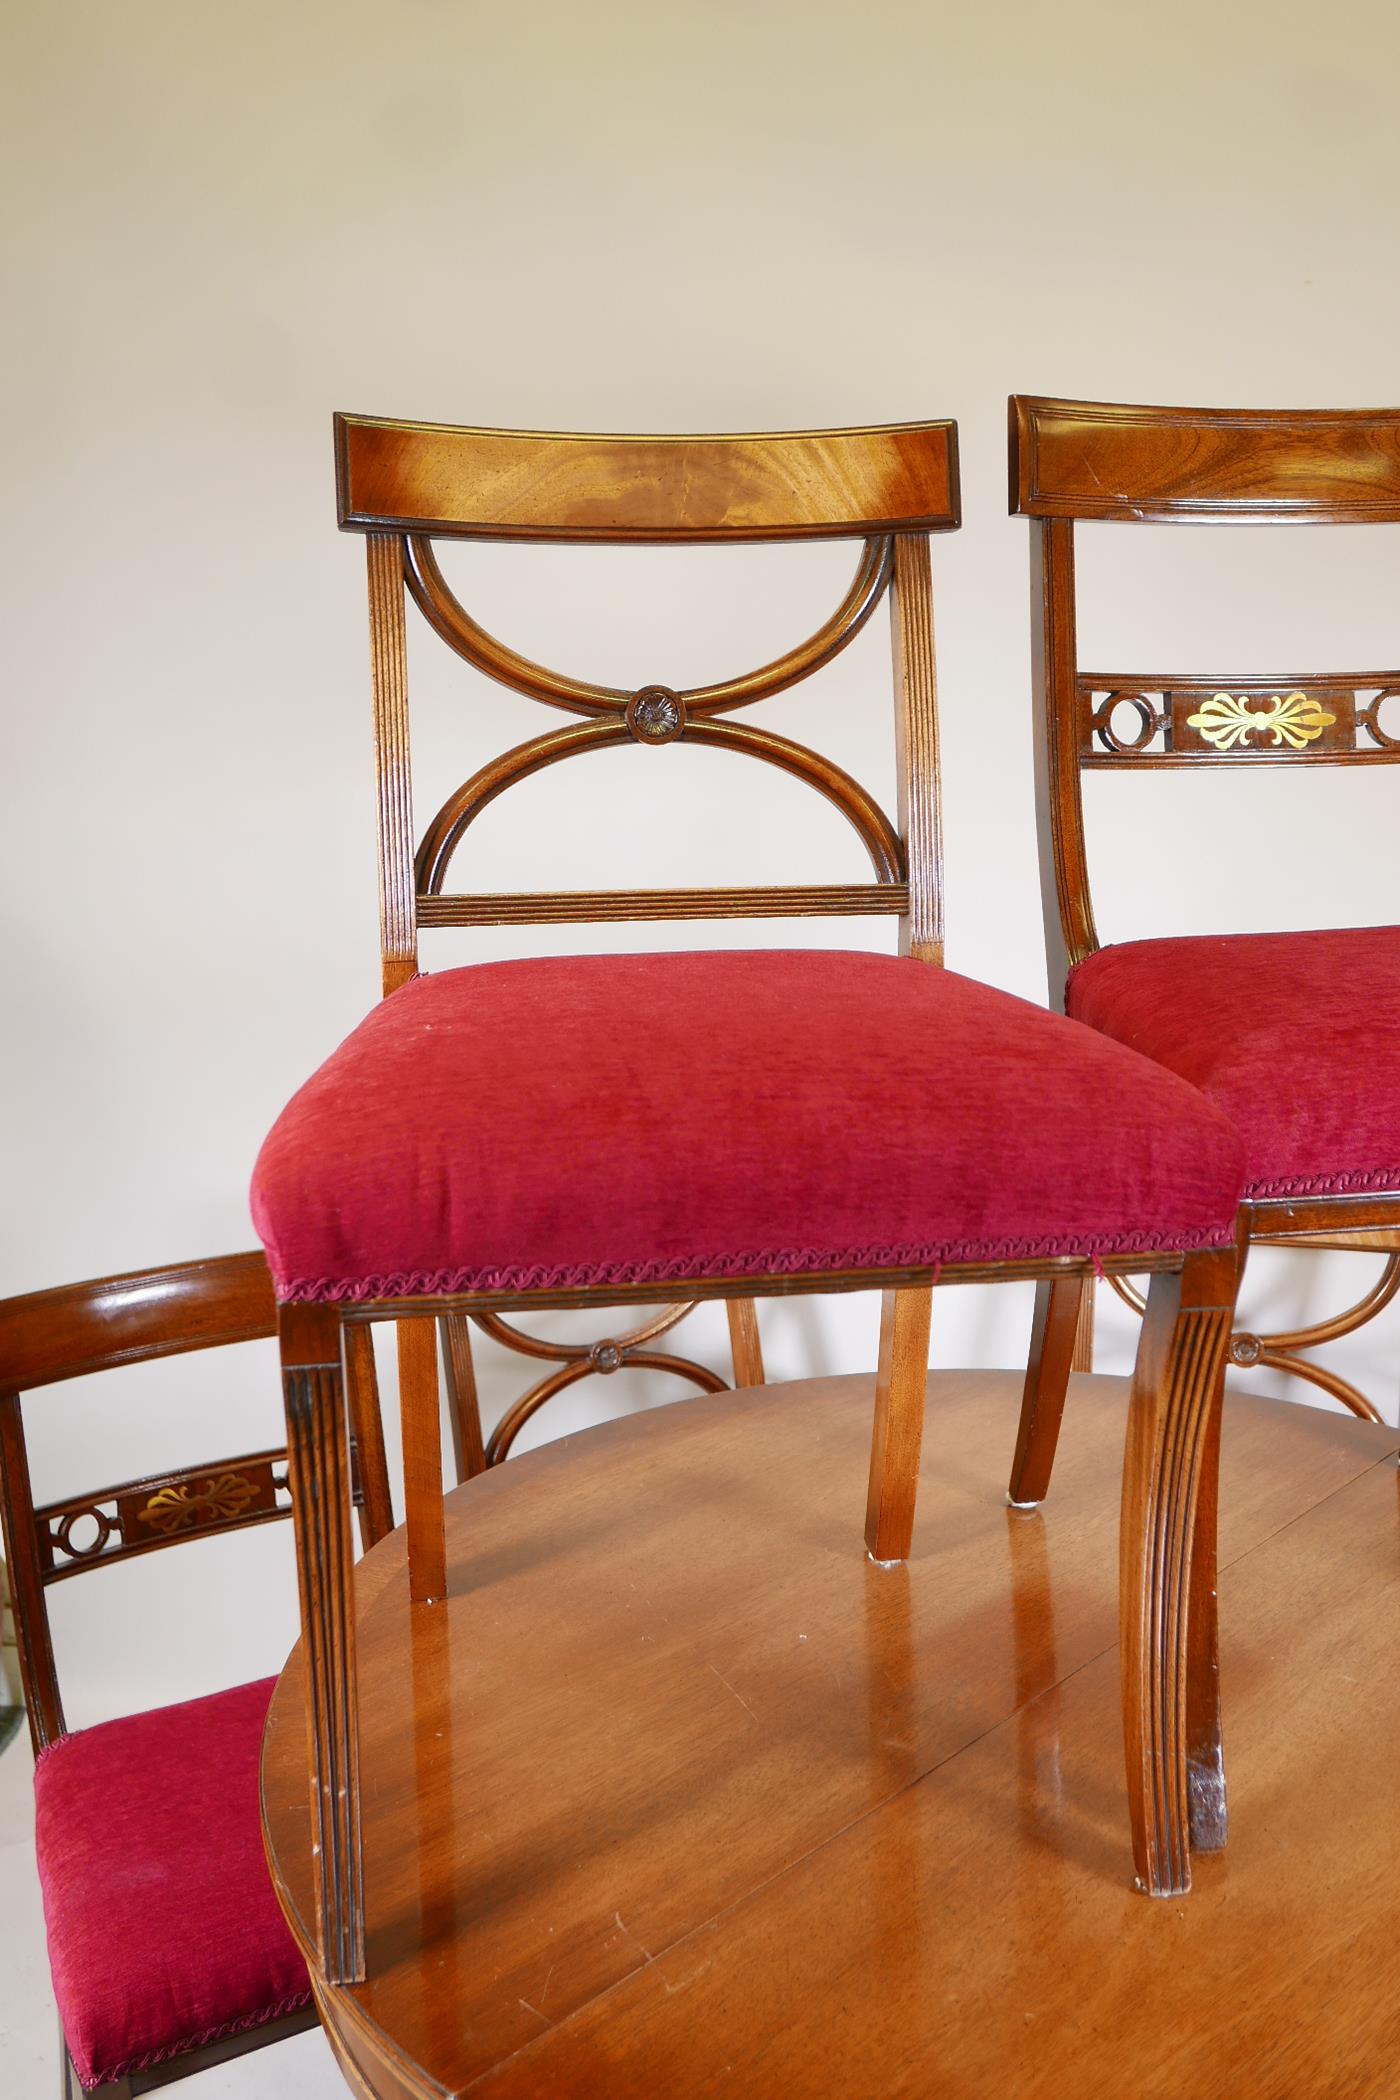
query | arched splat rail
(443,835)
(450,620)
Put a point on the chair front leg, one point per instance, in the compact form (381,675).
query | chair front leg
(1058,1313)
(314,1393)
(1171,1715)
(900,1384)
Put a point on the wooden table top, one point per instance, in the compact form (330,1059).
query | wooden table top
(679,1795)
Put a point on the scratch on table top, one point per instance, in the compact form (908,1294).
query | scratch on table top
(686,1981)
(617,1914)
(730,1689)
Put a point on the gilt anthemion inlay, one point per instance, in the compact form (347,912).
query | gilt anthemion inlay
(174,1509)
(1296,719)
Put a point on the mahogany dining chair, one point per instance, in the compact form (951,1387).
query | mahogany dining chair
(168,1950)
(1294,1036)
(605,1129)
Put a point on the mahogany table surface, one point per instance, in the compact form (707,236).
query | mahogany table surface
(679,1795)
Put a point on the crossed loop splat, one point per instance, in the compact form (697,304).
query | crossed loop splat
(654,715)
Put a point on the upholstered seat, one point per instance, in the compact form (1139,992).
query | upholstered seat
(164,1933)
(552,1124)
(1294,1036)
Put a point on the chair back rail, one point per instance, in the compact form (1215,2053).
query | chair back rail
(1087,461)
(79,1329)
(552,485)
(1228,466)
(83,1327)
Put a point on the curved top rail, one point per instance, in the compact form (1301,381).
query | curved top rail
(1098,459)
(449,619)
(547,485)
(81,1327)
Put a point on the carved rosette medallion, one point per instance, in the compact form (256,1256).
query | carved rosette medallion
(175,1509)
(1295,719)
(655,715)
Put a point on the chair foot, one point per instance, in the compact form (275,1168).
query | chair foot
(905,1318)
(1171,1713)
(1209,1816)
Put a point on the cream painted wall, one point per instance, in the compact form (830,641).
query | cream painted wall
(225,222)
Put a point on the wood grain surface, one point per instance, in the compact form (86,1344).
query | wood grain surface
(556,485)
(1104,459)
(681,1795)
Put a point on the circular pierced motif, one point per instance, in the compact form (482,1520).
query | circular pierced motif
(655,715)
(1148,722)
(1369,719)
(82,1549)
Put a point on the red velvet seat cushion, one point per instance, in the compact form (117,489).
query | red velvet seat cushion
(1296,1036)
(621,1119)
(163,1929)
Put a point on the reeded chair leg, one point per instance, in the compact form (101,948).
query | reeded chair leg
(314,1393)
(1058,1313)
(905,1319)
(1171,1715)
